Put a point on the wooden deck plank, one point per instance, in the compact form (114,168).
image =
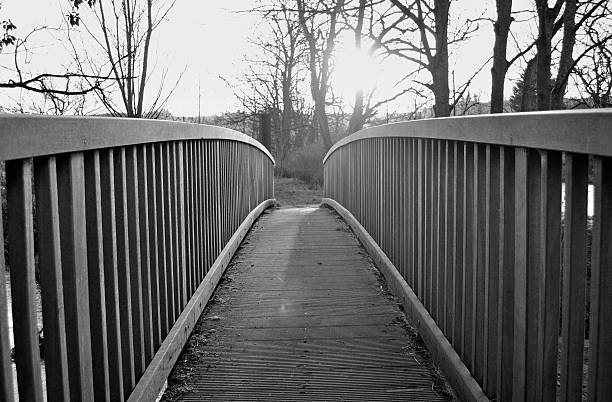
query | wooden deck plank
(301,314)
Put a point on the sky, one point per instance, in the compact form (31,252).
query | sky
(203,42)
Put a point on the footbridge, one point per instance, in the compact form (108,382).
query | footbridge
(138,251)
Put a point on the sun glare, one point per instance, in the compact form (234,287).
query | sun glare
(354,70)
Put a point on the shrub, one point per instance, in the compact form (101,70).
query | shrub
(306,164)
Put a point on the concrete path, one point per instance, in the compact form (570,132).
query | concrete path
(302,315)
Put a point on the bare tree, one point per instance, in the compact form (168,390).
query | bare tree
(319,23)
(123,31)
(357,117)
(49,84)
(429,21)
(500,66)
(276,76)
(592,73)
(418,32)
(550,93)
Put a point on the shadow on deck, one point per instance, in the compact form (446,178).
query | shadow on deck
(302,313)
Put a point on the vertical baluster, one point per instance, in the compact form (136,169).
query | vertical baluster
(458,245)
(435,229)
(6,371)
(210,191)
(193,216)
(469,244)
(415,195)
(50,269)
(145,251)
(135,261)
(182,226)
(214,193)
(245,179)
(368,178)
(379,188)
(441,236)
(230,189)
(206,203)
(202,208)
(197,193)
(523,174)
(95,260)
(177,175)
(111,274)
(420,191)
(481,239)
(505,309)
(187,207)
(71,192)
(251,178)
(449,225)
(123,264)
(600,333)
(171,233)
(377,208)
(382,162)
(492,259)
(163,256)
(407,206)
(550,276)
(218,200)
(537,198)
(387,195)
(401,203)
(224,191)
(391,190)
(574,276)
(212,211)
(235,195)
(427,229)
(398,212)
(21,249)
(208,186)
(218,193)
(152,180)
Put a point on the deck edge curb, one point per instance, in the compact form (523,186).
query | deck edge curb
(440,348)
(154,378)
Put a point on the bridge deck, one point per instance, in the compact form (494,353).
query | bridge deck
(301,314)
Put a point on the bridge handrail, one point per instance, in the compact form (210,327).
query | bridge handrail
(551,130)
(27,136)
(126,227)
(501,227)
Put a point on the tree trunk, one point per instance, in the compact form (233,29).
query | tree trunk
(566,60)
(439,69)
(323,123)
(356,121)
(543,44)
(528,97)
(500,63)
(441,90)
(286,116)
(319,77)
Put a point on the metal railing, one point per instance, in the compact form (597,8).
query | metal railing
(469,210)
(112,225)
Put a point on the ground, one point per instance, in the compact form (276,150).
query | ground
(294,192)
